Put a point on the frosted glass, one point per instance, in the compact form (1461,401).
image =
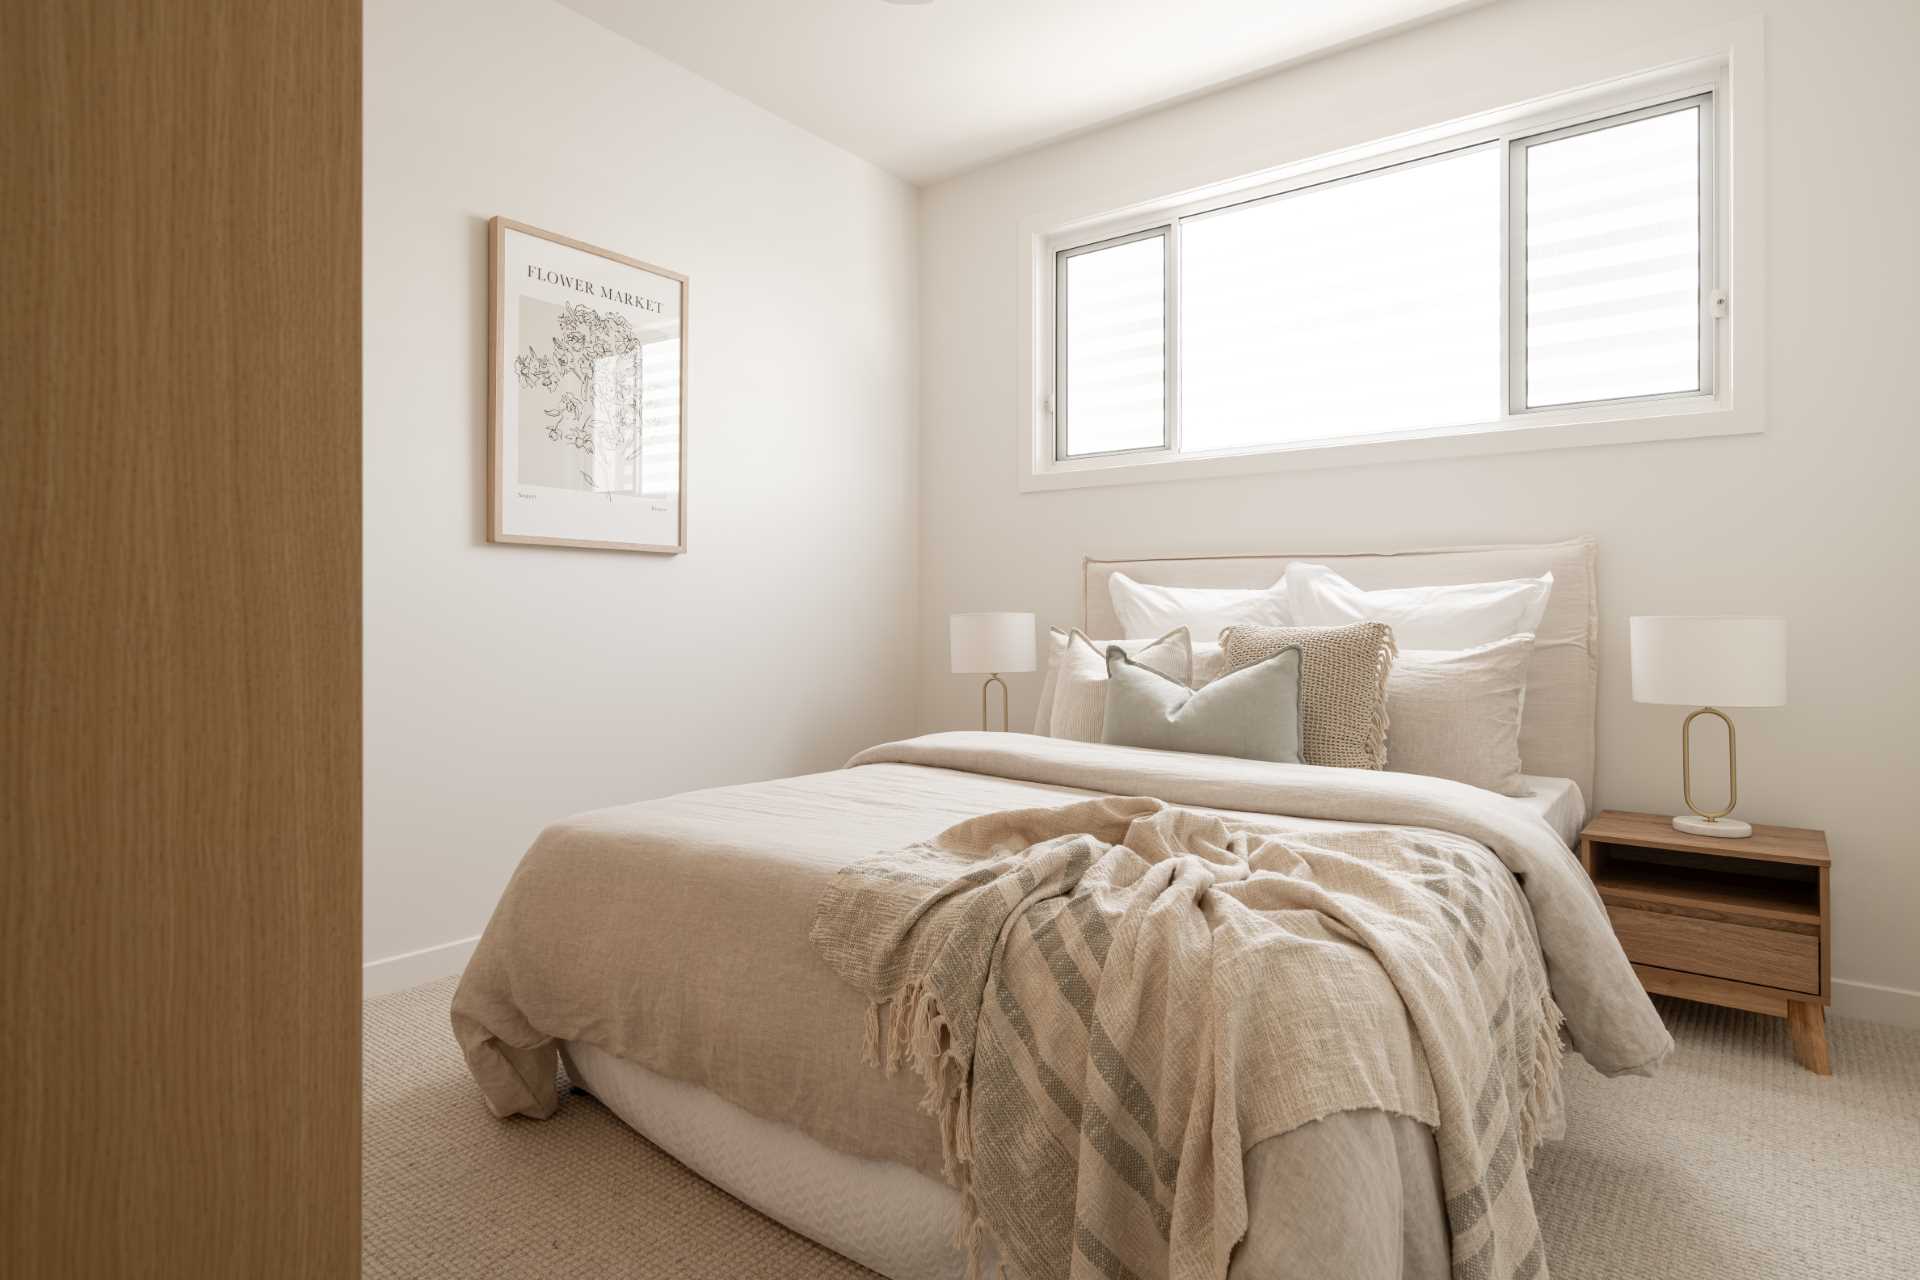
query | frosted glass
(1364,306)
(1613,262)
(1116,341)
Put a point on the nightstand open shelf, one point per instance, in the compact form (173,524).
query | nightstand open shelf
(1654,885)
(1744,923)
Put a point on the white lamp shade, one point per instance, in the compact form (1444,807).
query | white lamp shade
(984,643)
(1710,661)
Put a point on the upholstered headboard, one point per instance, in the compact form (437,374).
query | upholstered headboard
(1557,731)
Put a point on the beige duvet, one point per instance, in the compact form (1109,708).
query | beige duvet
(674,933)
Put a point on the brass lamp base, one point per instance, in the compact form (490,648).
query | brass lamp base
(985,685)
(1700,822)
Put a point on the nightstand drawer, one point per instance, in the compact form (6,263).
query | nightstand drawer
(1784,957)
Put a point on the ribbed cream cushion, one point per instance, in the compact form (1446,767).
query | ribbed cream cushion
(1343,686)
(1080,684)
(1455,713)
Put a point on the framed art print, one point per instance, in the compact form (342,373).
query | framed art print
(588,396)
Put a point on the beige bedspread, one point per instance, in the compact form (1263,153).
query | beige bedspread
(1110,1001)
(674,933)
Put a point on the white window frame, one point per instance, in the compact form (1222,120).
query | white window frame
(1729,401)
(1169,336)
(1712,296)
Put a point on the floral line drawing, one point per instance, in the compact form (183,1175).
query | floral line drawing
(593,378)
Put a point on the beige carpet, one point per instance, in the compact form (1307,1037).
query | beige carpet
(1733,1162)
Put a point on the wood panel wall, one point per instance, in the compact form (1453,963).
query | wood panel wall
(180,579)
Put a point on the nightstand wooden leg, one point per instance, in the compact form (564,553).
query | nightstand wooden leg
(1807,1023)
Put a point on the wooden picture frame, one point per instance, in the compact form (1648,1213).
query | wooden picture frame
(586,395)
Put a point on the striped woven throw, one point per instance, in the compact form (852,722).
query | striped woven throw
(1110,1002)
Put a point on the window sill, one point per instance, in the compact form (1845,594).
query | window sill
(1590,425)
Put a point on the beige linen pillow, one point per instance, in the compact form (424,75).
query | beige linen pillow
(1343,686)
(1080,684)
(1455,713)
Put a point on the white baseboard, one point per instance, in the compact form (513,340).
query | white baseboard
(1871,1002)
(410,969)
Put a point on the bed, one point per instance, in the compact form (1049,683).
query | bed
(662,951)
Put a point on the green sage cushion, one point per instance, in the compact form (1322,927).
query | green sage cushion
(1252,713)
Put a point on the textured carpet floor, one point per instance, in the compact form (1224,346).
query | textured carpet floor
(1733,1162)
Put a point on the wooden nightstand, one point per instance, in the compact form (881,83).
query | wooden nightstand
(1744,923)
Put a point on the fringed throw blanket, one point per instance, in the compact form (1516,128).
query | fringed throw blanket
(1110,1002)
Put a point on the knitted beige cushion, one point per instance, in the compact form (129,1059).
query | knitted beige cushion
(1343,686)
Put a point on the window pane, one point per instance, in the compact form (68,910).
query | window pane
(1362,306)
(1613,262)
(1115,384)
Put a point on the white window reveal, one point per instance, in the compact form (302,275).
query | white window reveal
(1561,270)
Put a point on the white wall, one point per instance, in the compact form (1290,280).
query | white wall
(508,686)
(1815,520)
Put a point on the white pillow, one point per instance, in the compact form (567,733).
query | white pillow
(1449,617)
(1148,610)
(1080,684)
(1455,713)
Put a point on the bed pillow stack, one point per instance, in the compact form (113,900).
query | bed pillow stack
(1427,680)
(1459,687)
(1145,609)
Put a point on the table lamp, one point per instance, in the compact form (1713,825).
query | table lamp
(988,644)
(1709,663)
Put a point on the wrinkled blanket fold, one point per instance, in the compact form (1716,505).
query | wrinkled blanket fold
(1111,1001)
(1609,1018)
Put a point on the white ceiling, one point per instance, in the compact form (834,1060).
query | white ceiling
(929,90)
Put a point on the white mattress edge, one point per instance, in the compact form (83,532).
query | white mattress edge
(1559,801)
(883,1215)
